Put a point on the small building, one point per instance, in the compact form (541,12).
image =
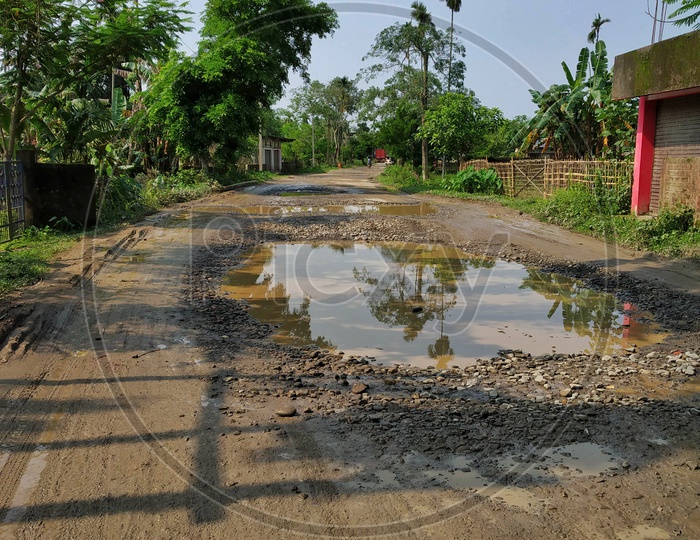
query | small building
(666,78)
(269,156)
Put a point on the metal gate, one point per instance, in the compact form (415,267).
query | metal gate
(11,200)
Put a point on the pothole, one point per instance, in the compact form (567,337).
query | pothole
(426,305)
(422,209)
(299,190)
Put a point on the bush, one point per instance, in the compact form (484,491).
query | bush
(612,200)
(125,198)
(669,233)
(399,175)
(470,180)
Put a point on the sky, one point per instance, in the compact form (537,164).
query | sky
(511,46)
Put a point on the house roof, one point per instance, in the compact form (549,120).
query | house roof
(671,65)
(277,139)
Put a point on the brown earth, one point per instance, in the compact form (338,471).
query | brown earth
(136,401)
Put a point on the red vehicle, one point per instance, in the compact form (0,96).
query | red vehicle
(380,155)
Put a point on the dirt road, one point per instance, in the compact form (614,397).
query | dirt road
(139,401)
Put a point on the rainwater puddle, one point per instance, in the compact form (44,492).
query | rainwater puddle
(562,462)
(139,257)
(422,209)
(302,193)
(464,478)
(425,305)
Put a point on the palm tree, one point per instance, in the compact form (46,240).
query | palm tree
(424,21)
(687,14)
(594,34)
(455,6)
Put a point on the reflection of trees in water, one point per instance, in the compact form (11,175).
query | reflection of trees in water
(270,302)
(417,278)
(441,351)
(585,311)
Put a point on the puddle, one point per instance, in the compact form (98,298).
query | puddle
(425,305)
(140,257)
(422,209)
(464,478)
(387,479)
(302,193)
(298,190)
(562,462)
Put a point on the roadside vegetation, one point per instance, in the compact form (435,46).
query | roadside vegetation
(25,260)
(603,213)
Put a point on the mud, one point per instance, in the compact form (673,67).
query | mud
(138,400)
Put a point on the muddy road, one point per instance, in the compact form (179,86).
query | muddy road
(161,383)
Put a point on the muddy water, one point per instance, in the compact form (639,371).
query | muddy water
(425,305)
(422,209)
(569,461)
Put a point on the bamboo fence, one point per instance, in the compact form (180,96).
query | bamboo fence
(542,177)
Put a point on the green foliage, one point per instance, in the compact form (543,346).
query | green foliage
(671,233)
(687,14)
(121,199)
(400,177)
(458,126)
(472,181)
(25,260)
(62,48)
(215,100)
(579,119)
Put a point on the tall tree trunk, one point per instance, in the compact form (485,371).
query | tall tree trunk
(449,66)
(449,73)
(313,143)
(14,123)
(424,108)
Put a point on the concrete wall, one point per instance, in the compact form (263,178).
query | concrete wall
(672,65)
(57,190)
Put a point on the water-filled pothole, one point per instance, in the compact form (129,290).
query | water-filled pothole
(422,209)
(425,305)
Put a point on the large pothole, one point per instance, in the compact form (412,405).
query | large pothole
(427,305)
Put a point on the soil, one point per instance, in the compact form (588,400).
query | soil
(138,401)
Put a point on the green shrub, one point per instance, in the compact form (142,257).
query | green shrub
(612,200)
(670,233)
(470,180)
(121,199)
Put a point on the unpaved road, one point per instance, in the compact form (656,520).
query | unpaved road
(137,401)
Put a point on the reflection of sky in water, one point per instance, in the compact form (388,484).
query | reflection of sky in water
(423,305)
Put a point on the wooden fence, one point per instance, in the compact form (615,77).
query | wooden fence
(541,177)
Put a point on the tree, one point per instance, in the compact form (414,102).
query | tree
(308,104)
(578,119)
(342,97)
(455,6)
(459,126)
(687,14)
(244,59)
(50,46)
(506,140)
(401,47)
(594,34)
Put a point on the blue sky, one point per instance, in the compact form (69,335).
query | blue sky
(536,36)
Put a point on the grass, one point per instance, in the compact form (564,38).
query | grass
(601,214)
(25,260)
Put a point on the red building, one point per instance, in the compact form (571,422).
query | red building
(666,78)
